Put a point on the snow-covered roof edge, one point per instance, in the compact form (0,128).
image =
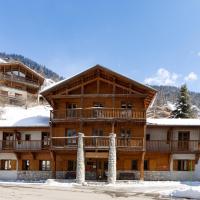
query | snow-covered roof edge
(172,122)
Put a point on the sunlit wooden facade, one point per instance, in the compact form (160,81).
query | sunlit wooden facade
(19,83)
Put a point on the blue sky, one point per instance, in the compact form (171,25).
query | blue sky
(151,41)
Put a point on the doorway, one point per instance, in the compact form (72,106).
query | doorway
(96,169)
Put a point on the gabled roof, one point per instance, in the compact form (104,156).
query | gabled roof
(17,63)
(143,89)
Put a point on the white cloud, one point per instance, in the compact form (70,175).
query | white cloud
(198,53)
(162,77)
(191,77)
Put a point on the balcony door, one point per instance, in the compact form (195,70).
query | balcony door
(70,133)
(8,140)
(71,110)
(98,110)
(183,140)
(97,133)
(126,109)
(45,139)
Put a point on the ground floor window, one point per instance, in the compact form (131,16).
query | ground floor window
(25,165)
(45,165)
(6,165)
(134,165)
(71,165)
(146,164)
(184,165)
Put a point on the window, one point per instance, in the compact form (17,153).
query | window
(146,165)
(148,137)
(71,165)
(4,93)
(18,95)
(71,110)
(125,132)
(98,110)
(45,165)
(6,165)
(126,105)
(27,137)
(70,133)
(25,165)
(134,165)
(183,165)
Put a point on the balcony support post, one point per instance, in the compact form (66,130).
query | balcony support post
(112,160)
(80,168)
(170,162)
(142,166)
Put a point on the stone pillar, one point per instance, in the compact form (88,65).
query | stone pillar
(112,160)
(80,168)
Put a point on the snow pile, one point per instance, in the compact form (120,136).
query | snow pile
(175,122)
(59,183)
(193,193)
(19,116)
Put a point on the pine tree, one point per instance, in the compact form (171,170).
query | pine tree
(183,105)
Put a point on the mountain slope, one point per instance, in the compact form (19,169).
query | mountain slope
(33,65)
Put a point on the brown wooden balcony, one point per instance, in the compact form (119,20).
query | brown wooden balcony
(23,145)
(94,113)
(19,79)
(173,146)
(97,142)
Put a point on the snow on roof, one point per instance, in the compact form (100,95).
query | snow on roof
(2,60)
(173,122)
(12,116)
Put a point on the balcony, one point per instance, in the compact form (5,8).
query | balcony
(173,146)
(97,143)
(23,145)
(19,79)
(95,113)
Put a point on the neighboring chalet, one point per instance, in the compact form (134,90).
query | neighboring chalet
(19,83)
(97,130)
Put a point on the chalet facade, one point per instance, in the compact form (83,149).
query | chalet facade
(19,83)
(97,130)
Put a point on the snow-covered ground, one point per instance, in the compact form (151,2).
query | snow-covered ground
(124,190)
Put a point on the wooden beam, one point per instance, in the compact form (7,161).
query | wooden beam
(142,166)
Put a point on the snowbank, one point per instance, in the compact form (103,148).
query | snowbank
(19,116)
(193,193)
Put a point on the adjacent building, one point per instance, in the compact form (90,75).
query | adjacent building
(19,84)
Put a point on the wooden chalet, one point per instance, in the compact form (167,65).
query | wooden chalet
(18,82)
(98,102)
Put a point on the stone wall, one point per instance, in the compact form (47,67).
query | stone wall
(165,175)
(34,175)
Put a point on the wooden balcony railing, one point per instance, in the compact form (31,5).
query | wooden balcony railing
(22,145)
(96,113)
(19,79)
(60,143)
(173,146)
(97,142)
(136,143)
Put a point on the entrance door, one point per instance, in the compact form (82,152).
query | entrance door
(8,140)
(96,169)
(183,140)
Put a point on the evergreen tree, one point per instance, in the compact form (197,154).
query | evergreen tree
(183,105)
